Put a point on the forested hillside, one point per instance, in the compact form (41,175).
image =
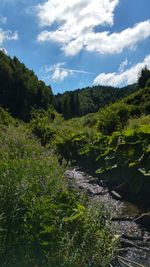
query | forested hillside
(20,89)
(88,100)
(21,92)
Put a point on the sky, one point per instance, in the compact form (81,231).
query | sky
(72,44)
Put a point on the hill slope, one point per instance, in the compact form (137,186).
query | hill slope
(88,100)
(20,89)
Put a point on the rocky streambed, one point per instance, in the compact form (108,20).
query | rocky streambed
(126,220)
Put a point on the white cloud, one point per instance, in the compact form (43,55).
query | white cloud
(116,42)
(123,65)
(75,23)
(85,13)
(59,72)
(3,50)
(126,77)
(75,19)
(3,19)
(7,36)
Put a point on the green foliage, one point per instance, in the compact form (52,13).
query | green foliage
(71,145)
(144,76)
(83,101)
(113,118)
(148,83)
(126,155)
(108,121)
(43,222)
(116,116)
(41,125)
(90,120)
(20,89)
(115,141)
(135,123)
(5,118)
(91,240)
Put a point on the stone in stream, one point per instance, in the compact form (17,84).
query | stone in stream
(116,194)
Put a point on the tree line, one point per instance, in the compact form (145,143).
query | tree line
(88,100)
(21,92)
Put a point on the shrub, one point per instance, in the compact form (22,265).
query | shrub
(108,121)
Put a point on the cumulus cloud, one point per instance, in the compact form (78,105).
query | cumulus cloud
(59,72)
(75,19)
(75,22)
(7,36)
(116,42)
(126,77)
(3,19)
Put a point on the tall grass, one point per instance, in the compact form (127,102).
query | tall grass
(43,222)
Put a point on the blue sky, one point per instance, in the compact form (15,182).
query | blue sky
(77,43)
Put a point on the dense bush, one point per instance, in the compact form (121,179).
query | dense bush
(41,125)
(5,118)
(115,116)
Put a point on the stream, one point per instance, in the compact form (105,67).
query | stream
(135,238)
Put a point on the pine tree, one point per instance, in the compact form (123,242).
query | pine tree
(144,77)
(66,108)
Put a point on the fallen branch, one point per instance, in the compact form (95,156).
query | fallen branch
(135,245)
(141,216)
(120,219)
(130,261)
(131,238)
(125,263)
(124,249)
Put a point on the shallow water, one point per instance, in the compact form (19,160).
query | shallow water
(135,238)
